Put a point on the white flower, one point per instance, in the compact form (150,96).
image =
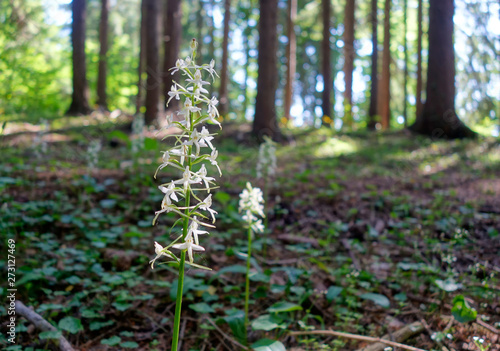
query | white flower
(213,160)
(188,106)
(198,82)
(205,206)
(252,204)
(257,226)
(212,117)
(169,192)
(205,138)
(211,69)
(189,246)
(173,93)
(179,65)
(194,232)
(202,175)
(187,179)
(159,252)
(252,199)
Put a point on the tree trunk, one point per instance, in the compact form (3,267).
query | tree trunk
(372,111)
(267,81)
(80,97)
(223,98)
(384,92)
(291,55)
(326,66)
(246,46)
(405,110)
(103,52)
(153,81)
(348,60)
(142,59)
(419,58)
(172,37)
(200,16)
(438,118)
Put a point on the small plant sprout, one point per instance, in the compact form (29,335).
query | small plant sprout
(93,154)
(266,164)
(266,169)
(193,146)
(137,132)
(252,206)
(39,143)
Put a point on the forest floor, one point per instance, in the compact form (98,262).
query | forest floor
(367,234)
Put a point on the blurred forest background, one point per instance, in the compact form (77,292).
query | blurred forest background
(314,85)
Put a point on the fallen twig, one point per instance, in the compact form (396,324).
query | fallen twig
(364,338)
(41,324)
(487,326)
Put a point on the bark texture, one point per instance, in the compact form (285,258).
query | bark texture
(326,70)
(385,80)
(80,97)
(348,59)
(438,118)
(153,81)
(103,52)
(372,111)
(223,98)
(172,42)
(265,110)
(291,55)
(419,57)
(142,59)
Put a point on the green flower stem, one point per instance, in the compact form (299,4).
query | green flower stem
(178,302)
(266,222)
(247,283)
(180,281)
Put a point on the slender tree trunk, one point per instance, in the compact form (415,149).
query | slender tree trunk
(142,58)
(172,36)
(246,46)
(103,52)
(348,60)
(224,101)
(384,93)
(372,112)
(405,106)
(80,97)
(291,55)
(153,82)
(419,57)
(438,118)
(200,15)
(267,81)
(326,65)
(211,48)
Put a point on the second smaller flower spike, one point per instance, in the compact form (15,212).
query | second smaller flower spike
(252,205)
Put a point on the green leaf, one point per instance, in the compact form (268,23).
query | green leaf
(236,321)
(90,314)
(268,345)
(268,322)
(448,285)
(119,135)
(95,325)
(51,334)
(107,203)
(462,311)
(70,324)
(333,292)
(222,197)
(201,307)
(284,307)
(150,144)
(379,299)
(129,345)
(121,306)
(112,341)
